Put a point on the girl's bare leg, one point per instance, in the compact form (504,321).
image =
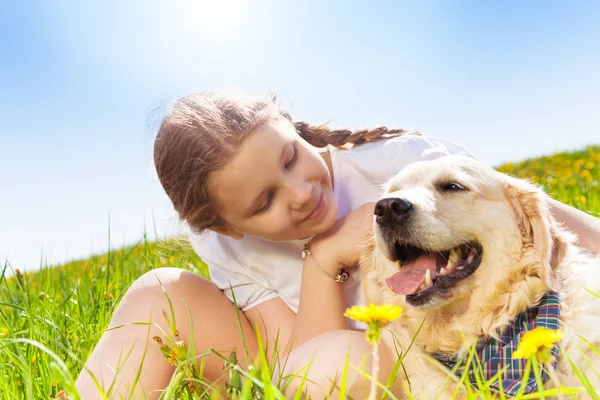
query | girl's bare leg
(327,354)
(214,323)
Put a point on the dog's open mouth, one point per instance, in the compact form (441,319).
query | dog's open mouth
(424,274)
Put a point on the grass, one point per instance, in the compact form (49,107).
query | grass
(50,320)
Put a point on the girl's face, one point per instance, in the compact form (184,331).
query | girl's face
(277,187)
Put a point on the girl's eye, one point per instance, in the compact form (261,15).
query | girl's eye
(292,160)
(290,163)
(266,206)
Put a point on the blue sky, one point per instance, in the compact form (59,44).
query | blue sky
(83,84)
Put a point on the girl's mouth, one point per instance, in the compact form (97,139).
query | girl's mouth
(318,210)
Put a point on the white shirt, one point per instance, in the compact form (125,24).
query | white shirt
(258,270)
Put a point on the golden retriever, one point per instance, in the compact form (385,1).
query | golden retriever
(466,250)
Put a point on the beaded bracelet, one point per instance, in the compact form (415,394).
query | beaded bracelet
(342,276)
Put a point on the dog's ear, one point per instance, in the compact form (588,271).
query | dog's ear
(541,235)
(528,205)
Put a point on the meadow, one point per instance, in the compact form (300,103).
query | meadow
(51,319)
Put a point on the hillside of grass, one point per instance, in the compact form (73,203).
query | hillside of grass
(57,314)
(570,177)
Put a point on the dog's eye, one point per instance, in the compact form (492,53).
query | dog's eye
(452,187)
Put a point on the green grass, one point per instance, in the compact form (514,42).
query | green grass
(50,320)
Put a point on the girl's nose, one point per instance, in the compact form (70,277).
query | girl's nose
(301,192)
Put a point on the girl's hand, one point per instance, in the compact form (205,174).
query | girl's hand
(340,245)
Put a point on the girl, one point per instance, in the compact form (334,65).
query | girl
(255,186)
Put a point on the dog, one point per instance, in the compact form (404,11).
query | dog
(473,255)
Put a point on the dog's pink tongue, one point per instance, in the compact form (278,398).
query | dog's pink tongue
(412,274)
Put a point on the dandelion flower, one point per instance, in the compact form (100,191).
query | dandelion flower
(375,316)
(538,341)
(380,314)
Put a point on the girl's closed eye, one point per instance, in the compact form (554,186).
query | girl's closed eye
(294,157)
(290,163)
(266,206)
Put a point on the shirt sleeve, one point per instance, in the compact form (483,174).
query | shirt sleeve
(404,150)
(228,271)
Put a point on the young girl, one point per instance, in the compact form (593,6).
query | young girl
(255,186)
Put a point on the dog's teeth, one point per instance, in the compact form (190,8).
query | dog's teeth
(421,286)
(454,256)
(470,258)
(443,271)
(453,259)
(428,281)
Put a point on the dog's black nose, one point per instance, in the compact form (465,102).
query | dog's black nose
(392,210)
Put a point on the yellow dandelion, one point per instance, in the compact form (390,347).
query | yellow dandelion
(380,314)
(375,316)
(538,341)
(586,175)
(4,331)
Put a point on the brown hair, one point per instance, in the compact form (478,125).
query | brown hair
(201,134)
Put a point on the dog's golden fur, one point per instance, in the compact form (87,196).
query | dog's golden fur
(525,254)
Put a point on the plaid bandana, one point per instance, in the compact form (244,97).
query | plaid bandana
(493,355)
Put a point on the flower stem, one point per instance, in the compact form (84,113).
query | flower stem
(374,372)
(555,380)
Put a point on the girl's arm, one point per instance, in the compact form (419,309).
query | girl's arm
(585,226)
(322,304)
(321,307)
(320,310)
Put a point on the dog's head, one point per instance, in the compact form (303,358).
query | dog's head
(454,229)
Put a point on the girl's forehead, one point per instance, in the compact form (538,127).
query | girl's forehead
(276,127)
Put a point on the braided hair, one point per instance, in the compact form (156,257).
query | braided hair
(322,136)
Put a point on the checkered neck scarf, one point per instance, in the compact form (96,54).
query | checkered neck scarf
(495,354)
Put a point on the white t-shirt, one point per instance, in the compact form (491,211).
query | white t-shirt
(258,270)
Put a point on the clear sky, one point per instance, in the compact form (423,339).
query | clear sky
(83,84)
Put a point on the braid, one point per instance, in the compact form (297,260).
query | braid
(321,135)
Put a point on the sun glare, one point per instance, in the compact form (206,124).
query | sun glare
(213,16)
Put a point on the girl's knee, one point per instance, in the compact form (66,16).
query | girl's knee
(150,293)
(173,278)
(324,358)
(150,288)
